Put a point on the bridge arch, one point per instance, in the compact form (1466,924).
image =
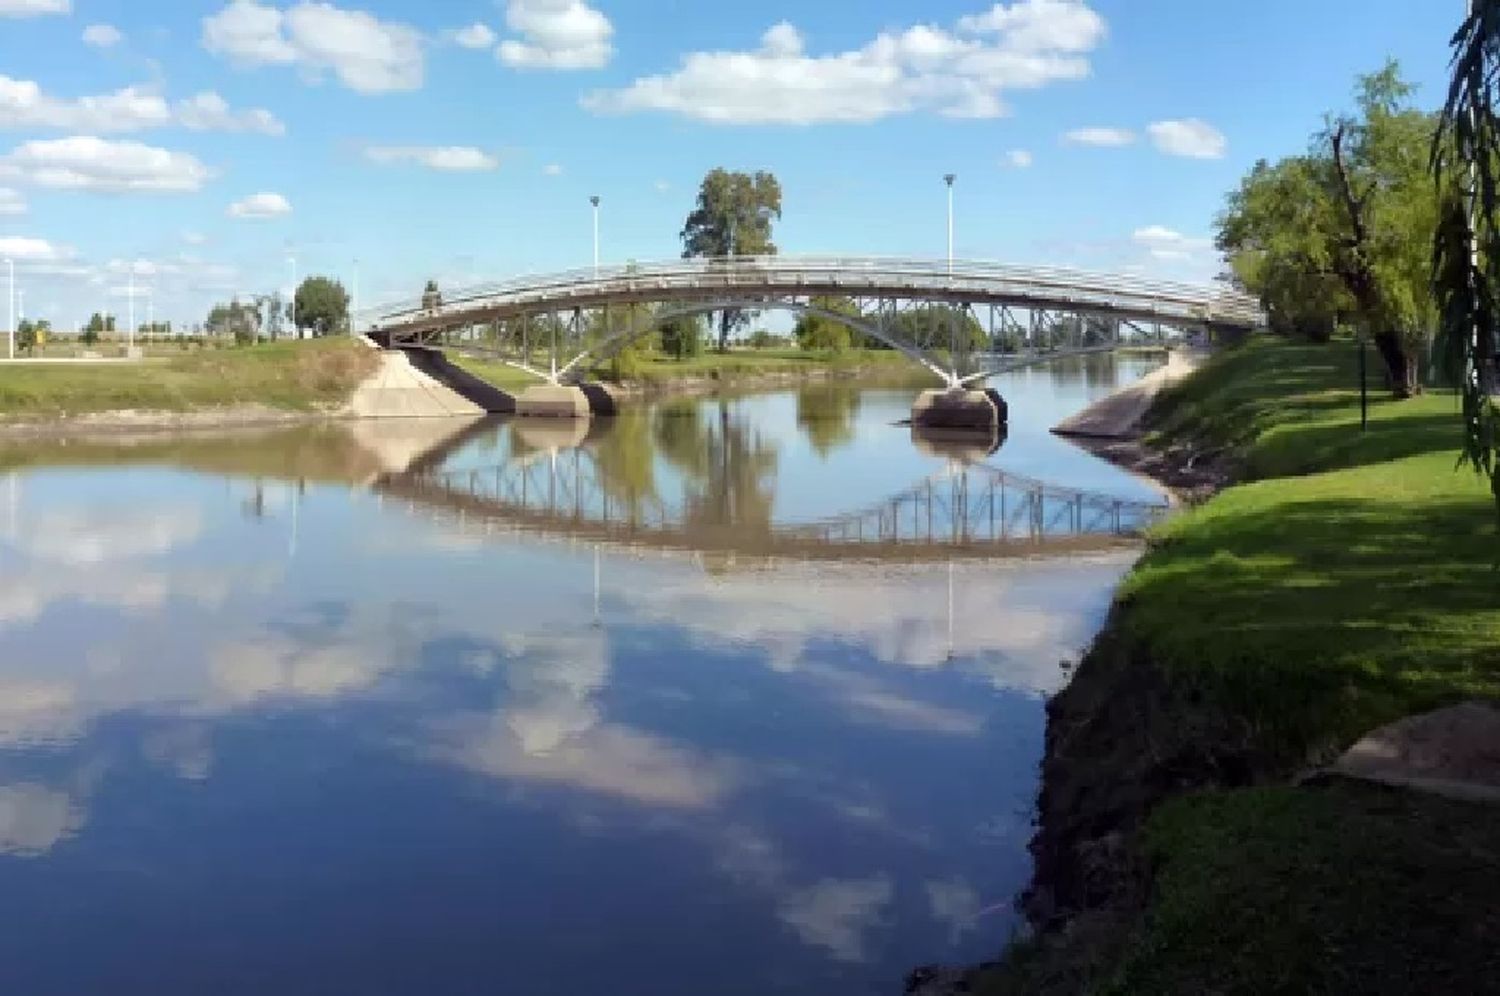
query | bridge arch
(612,344)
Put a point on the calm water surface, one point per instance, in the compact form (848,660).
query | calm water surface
(269,725)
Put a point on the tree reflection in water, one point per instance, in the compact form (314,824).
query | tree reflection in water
(826,414)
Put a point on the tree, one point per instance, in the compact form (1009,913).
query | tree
(238,319)
(1465,161)
(1344,231)
(322,305)
(820,332)
(432,298)
(682,337)
(733,217)
(26,335)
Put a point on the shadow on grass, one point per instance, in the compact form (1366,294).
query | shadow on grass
(1317,619)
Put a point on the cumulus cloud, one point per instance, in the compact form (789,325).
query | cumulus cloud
(34,818)
(89,163)
(23,104)
(34,8)
(32,250)
(363,53)
(102,36)
(448,158)
(210,112)
(1190,138)
(1018,159)
(552,169)
(838,914)
(474,36)
(12,204)
(556,34)
(260,207)
(1165,244)
(963,72)
(1104,138)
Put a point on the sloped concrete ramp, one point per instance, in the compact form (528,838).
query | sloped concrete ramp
(421,383)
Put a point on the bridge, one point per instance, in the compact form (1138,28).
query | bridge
(966,510)
(558,326)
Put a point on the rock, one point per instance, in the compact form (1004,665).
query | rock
(1453,752)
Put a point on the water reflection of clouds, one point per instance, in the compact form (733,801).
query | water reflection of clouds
(33,818)
(1011,623)
(91,535)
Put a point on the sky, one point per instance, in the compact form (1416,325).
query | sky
(219,148)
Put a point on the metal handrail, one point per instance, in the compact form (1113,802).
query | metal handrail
(873,273)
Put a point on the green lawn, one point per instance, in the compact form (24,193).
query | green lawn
(1353,580)
(291,375)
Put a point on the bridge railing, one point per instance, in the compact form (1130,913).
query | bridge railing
(839,274)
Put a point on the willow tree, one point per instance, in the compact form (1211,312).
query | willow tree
(1466,256)
(1341,232)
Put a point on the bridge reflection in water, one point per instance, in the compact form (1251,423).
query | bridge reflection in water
(969,508)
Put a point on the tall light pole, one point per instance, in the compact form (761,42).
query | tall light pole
(10,265)
(292,261)
(353,328)
(948,178)
(130,329)
(595,201)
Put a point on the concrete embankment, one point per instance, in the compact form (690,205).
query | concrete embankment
(1119,415)
(422,383)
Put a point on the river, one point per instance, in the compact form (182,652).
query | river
(361,709)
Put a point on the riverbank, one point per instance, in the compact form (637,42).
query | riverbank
(1192,838)
(254,385)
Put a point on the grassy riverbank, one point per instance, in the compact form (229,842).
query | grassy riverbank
(1349,582)
(293,376)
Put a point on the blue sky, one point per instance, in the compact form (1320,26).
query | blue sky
(206,140)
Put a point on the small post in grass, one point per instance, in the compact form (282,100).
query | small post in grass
(1364,386)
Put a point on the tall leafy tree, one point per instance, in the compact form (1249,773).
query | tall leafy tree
(1466,255)
(1340,233)
(733,216)
(819,332)
(322,305)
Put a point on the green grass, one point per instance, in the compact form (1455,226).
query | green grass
(501,375)
(299,376)
(1352,584)
(1341,888)
(1352,581)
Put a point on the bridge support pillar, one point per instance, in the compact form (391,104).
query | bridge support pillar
(960,408)
(553,401)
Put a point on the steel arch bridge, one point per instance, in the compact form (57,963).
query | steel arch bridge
(968,509)
(556,326)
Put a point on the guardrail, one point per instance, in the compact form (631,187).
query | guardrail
(1052,287)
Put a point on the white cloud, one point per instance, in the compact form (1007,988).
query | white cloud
(23,104)
(102,36)
(1018,158)
(474,36)
(837,914)
(1104,138)
(552,169)
(449,158)
(194,238)
(260,207)
(1191,138)
(662,186)
(19,247)
(556,34)
(961,73)
(12,204)
(88,163)
(34,8)
(34,818)
(365,54)
(1165,244)
(210,112)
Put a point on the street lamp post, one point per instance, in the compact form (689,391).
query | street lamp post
(948,178)
(595,202)
(292,261)
(353,328)
(130,329)
(10,265)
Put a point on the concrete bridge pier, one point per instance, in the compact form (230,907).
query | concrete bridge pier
(567,401)
(960,408)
